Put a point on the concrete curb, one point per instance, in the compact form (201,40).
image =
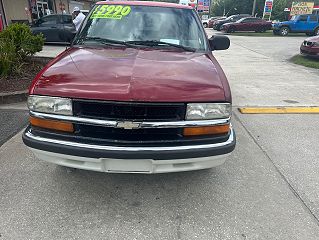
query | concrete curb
(13,97)
(43,59)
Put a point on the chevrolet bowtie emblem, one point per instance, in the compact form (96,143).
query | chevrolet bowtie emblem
(128,125)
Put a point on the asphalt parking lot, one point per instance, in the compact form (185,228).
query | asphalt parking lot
(269,189)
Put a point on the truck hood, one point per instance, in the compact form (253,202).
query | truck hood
(313,39)
(128,74)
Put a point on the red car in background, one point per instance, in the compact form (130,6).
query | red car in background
(1,24)
(247,24)
(310,47)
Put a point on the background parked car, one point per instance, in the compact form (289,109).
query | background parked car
(212,21)
(233,18)
(247,24)
(308,24)
(205,22)
(55,28)
(310,47)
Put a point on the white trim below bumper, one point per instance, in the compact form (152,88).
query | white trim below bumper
(144,166)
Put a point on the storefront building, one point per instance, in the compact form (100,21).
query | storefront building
(315,10)
(29,10)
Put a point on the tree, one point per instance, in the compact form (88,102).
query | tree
(245,6)
(236,7)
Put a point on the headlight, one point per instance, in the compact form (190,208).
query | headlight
(55,105)
(206,111)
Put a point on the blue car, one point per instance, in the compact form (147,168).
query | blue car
(308,24)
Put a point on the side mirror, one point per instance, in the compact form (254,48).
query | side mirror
(219,43)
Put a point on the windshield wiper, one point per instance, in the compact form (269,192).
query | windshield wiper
(159,43)
(134,43)
(106,41)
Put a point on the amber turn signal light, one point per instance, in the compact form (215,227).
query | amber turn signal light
(51,124)
(212,130)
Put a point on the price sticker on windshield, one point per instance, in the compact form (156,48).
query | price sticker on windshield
(111,11)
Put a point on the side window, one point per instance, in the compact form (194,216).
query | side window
(303,18)
(247,20)
(313,19)
(48,20)
(67,19)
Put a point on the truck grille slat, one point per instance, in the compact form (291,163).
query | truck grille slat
(135,135)
(129,111)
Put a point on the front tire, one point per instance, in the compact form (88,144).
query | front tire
(284,31)
(263,29)
(205,25)
(231,30)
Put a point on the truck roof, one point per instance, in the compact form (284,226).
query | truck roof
(145,3)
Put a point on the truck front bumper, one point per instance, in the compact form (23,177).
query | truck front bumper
(116,159)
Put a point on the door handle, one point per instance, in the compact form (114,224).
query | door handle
(53,27)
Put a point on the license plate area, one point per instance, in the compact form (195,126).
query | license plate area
(128,165)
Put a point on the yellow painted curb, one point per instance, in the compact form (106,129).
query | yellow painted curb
(278,110)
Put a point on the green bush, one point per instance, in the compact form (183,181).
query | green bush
(7,57)
(16,44)
(26,44)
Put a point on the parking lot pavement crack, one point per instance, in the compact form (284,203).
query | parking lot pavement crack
(252,50)
(315,218)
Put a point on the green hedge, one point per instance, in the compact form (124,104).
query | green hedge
(16,44)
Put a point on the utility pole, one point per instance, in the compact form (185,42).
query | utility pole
(254,9)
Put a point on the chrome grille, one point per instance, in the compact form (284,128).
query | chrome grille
(129,111)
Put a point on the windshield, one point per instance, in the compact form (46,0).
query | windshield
(293,17)
(229,18)
(240,20)
(144,23)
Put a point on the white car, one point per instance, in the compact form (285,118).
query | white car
(205,22)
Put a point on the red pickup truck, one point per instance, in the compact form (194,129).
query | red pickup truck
(139,91)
